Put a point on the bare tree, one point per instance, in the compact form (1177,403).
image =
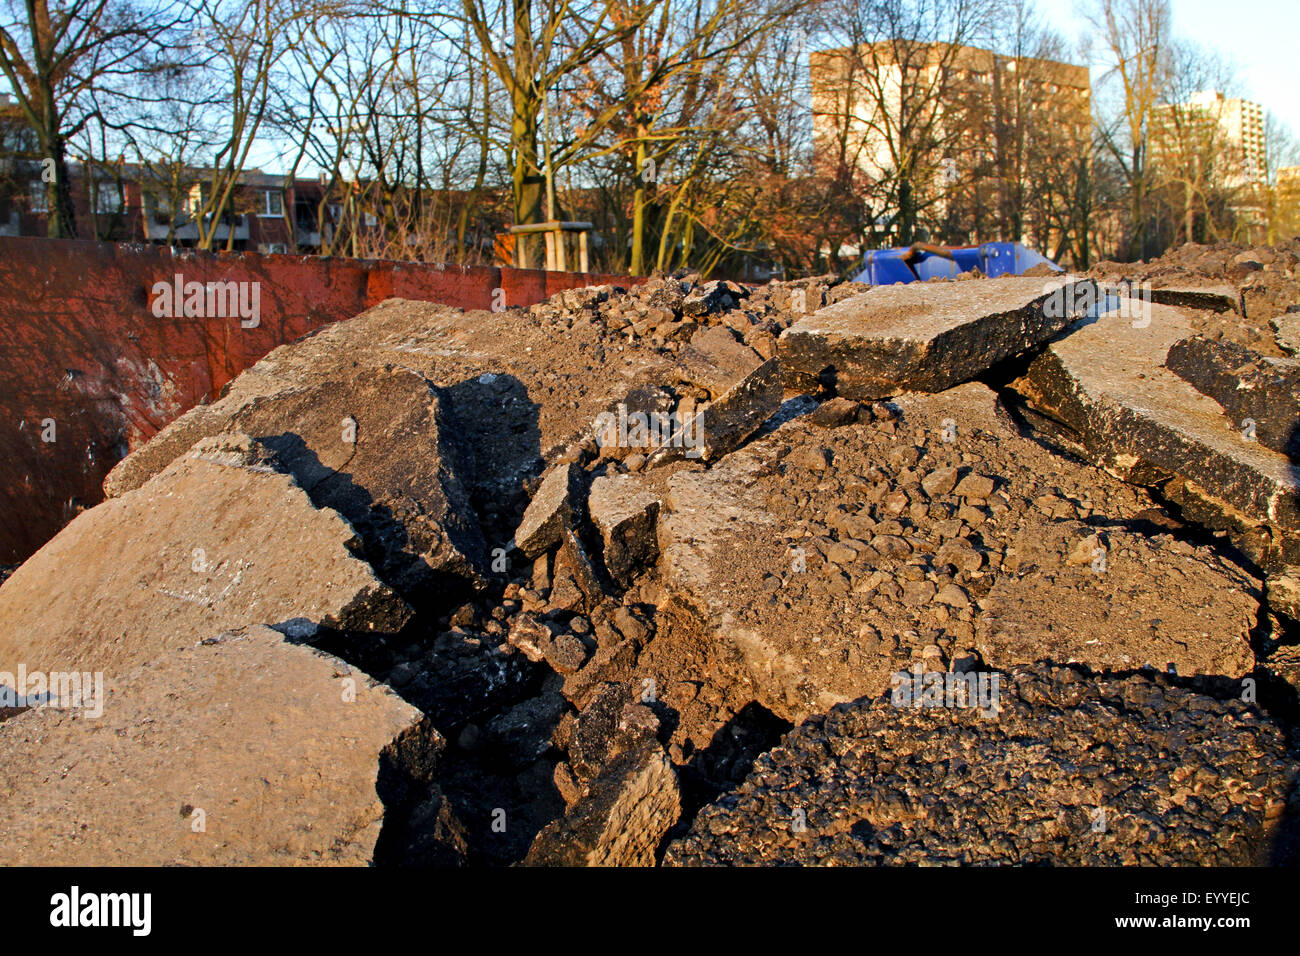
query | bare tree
(1193,163)
(1136,36)
(56,55)
(906,60)
(396,110)
(530,45)
(651,97)
(247,39)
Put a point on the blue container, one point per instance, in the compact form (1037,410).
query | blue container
(1003,258)
(889,266)
(928,266)
(968,258)
(885,267)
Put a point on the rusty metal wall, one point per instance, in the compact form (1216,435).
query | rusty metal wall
(87,362)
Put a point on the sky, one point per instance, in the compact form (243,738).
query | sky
(1258,36)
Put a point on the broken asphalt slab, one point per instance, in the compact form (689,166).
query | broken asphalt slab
(219,539)
(473,404)
(232,748)
(925,336)
(374,444)
(1260,393)
(625,511)
(1106,381)
(1217,298)
(556,506)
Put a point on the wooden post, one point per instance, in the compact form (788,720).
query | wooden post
(550,251)
(582,251)
(560,262)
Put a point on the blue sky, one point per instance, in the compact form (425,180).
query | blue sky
(1258,36)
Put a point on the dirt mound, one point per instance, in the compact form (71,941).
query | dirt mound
(825,558)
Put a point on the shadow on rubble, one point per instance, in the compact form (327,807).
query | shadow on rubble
(454,806)
(473,783)
(1293,441)
(1029,423)
(498,441)
(453,789)
(384,542)
(419,827)
(725,763)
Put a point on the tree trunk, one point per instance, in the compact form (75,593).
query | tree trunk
(637,266)
(527,181)
(1137,210)
(61,220)
(906,212)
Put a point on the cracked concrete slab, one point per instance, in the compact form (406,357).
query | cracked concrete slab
(1107,382)
(925,336)
(1259,392)
(374,444)
(219,539)
(508,392)
(232,748)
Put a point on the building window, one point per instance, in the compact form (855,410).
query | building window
(39,197)
(108,200)
(165,205)
(273,204)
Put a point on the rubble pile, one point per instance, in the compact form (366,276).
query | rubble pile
(1074,770)
(620,577)
(1245,294)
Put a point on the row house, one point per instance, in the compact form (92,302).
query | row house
(126,202)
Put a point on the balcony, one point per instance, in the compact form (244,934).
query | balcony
(188,231)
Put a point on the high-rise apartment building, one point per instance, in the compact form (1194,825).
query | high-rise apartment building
(1229,128)
(976,126)
(1286,209)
